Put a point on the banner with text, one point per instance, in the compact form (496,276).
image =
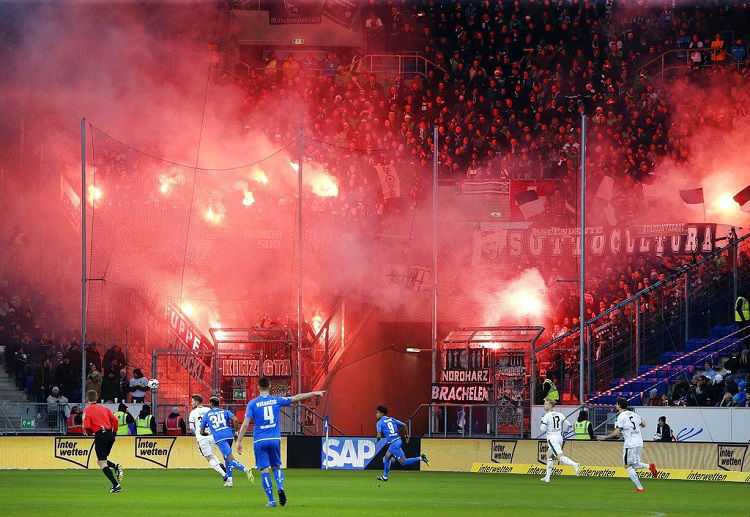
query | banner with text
(461,393)
(460,455)
(552,242)
(184,335)
(133,452)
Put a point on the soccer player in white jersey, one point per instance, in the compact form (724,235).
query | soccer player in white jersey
(554,424)
(205,443)
(629,424)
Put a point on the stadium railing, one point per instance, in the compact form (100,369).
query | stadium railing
(493,420)
(388,65)
(660,318)
(33,418)
(679,59)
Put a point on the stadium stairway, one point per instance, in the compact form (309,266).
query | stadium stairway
(9,392)
(720,342)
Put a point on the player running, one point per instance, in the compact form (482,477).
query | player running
(388,428)
(264,410)
(205,443)
(630,424)
(554,423)
(221,422)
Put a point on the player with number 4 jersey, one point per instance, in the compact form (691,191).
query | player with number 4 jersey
(554,424)
(264,412)
(389,428)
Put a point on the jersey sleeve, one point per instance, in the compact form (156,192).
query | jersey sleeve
(619,422)
(191,421)
(228,415)
(204,422)
(398,423)
(379,426)
(249,411)
(284,401)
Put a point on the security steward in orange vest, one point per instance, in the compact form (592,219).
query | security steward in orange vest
(174,424)
(74,423)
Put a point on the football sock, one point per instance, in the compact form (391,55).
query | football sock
(279,475)
(265,479)
(229,469)
(634,478)
(218,467)
(111,465)
(410,461)
(567,461)
(386,467)
(237,465)
(549,468)
(110,475)
(640,465)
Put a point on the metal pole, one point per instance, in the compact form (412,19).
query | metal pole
(154,397)
(434,257)
(589,372)
(83,260)
(582,276)
(687,306)
(532,395)
(733,301)
(434,250)
(299,260)
(127,355)
(637,335)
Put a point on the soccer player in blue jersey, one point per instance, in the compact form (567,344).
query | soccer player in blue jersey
(388,428)
(220,423)
(264,412)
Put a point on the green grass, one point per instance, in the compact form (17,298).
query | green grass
(316,493)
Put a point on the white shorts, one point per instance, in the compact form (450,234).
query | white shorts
(555,444)
(206,445)
(632,455)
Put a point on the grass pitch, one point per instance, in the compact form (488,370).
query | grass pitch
(314,493)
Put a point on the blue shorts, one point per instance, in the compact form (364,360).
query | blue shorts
(225,447)
(395,450)
(267,454)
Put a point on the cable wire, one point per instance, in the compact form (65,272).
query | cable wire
(178,164)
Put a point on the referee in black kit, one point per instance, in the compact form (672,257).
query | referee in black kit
(101,422)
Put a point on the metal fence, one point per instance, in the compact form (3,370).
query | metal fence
(33,418)
(470,420)
(310,423)
(658,319)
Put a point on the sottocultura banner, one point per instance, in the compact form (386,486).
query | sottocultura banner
(133,452)
(610,472)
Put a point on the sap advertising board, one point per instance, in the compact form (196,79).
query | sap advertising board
(349,453)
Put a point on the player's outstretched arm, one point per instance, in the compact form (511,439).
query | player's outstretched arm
(304,396)
(613,434)
(241,434)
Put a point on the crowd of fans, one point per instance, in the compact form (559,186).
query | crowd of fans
(506,88)
(508,85)
(721,384)
(47,366)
